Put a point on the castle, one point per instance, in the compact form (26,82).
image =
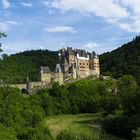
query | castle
(73,64)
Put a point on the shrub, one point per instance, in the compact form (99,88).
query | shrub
(72,135)
(75,109)
(30,133)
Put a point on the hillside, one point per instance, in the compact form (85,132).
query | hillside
(122,61)
(17,67)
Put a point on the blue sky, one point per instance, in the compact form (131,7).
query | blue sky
(94,25)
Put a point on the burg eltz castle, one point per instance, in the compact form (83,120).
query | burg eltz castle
(73,64)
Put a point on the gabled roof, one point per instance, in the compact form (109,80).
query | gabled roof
(45,69)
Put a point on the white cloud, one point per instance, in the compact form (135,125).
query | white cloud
(105,9)
(11,22)
(122,13)
(6,25)
(91,45)
(6,4)
(134,5)
(26,4)
(56,29)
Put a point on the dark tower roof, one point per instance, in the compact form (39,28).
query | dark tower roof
(70,51)
(45,69)
(82,53)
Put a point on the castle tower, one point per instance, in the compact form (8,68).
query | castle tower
(63,60)
(82,63)
(74,72)
(70,56)
(97,65)
(58,75)
(66,65)
(94,65)
(45,75)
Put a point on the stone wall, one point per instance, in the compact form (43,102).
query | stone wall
(93,72)
(84,74)
(35,84)
(74,73)
(58,77)
(46,78)
(20,86)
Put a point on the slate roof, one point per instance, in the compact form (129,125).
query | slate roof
(70,51)
(82,53)
(45,69)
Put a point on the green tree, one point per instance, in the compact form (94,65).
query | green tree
(2,35)
(127,84)
(7,133)
(4,56)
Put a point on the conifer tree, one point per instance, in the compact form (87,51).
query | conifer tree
(2,35)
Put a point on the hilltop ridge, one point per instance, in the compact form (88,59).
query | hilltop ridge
(124,60)
(15,68)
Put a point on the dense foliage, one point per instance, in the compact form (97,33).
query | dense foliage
(15,68)
(122,61)
(21,116)
(118,101)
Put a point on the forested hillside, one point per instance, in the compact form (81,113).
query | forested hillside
(17,67)
(122,61)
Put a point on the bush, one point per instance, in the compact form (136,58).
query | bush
(66,135)
(72,135)
(7,133)
(136,134)
(75,109)
(30,133)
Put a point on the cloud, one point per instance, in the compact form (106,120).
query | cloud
(26,4)
(106,9)
(6,4)
(134,5)
(58,29)
(122,13)
(6,25)
(11,22)
(91,45)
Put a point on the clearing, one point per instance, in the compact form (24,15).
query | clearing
(79,123)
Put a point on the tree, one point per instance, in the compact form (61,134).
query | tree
(2,35)
(127,84)
(4,56)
